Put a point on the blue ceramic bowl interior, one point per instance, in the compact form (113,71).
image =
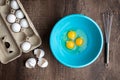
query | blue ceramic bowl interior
(80,56)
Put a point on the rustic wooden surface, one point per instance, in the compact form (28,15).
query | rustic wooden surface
(44,14)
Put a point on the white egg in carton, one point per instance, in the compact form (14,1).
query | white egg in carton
(17,32)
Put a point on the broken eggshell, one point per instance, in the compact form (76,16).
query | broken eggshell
(42,62)
(14,4)
(24,23)
(30,63)
(19,14)
(11,18)
(16,27)
(39,53)
(26,46)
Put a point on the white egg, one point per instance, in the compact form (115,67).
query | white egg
(39,53)
(26,46)
(11,18)
(19,14)
(16,27)
(24,23)
(43,63)
(30,63)
(14,4)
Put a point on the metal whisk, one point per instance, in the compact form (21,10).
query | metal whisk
(107,22)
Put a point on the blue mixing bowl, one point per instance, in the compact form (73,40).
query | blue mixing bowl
(81,56)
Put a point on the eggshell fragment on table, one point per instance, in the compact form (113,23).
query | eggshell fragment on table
(39,53)
(30,63)
(42,62)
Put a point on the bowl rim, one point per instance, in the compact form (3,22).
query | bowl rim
(100,50)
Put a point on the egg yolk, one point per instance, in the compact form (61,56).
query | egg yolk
(70,44)
(79,41)
(71,34)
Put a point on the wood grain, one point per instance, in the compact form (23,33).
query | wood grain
(44,14)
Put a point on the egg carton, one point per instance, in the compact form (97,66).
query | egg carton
(12,36)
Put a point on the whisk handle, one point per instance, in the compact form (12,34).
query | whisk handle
(107,53)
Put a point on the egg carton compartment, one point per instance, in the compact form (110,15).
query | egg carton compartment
(20,27)
(28,32)
(34,40)
(20,37)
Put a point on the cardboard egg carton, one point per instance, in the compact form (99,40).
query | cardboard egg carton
(10,42)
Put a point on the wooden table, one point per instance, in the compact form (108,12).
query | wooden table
(44,14)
